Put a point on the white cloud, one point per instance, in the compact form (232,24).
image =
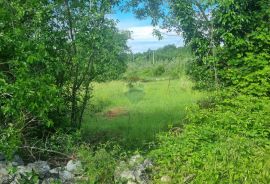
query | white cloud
(143,39)
(142,33)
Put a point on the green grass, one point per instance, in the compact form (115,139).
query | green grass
(148,108)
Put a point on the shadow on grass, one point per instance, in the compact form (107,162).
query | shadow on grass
(138,130)
(135,95)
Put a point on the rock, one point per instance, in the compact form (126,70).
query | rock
(2,157)
(8,179)
(23,170)
(140,174)
(147,163)
(74,166)
(56,170)
(17,161)
(66,176)
(127,176)
(3,173)
(189,178)
(42,168)
(131,182)
(50,180)
(165,179)
(133,171)
(135,160)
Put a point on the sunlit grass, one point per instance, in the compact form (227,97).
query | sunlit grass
(148,109)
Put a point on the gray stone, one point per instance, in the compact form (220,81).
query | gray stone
(135,160)
(189,178)
(8,179)
(140,175)
(147,163)
(42,168)
(17,161)
(3,172)
(74,166)
(165,179)
(2,157)
(131,182)
(135,170)
(50,180)
(56,170)
(23,170)
(66,176)
(127,175)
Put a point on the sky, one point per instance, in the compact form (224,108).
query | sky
(142,37)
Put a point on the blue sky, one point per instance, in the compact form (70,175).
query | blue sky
(142,38)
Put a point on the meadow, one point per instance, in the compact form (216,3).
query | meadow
(133,115)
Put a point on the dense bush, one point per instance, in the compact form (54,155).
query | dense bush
(46,67)
(227,141)
(243,60)
(158,71)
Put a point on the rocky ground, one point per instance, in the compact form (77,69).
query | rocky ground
(13,172)
(133,171)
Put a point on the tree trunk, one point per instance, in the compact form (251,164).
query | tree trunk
(74,68)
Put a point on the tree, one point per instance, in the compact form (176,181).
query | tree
(243,60)
(50,52)
(190,18)
(223,35)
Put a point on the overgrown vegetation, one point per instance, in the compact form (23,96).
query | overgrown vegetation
(53,51)
(168,62)
(225,138)
(219,144)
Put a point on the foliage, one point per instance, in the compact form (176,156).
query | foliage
(218,144)
(9,140)
(190,19)
(243,60)
(99,165)
(230,39)
(159,70)
(169,62)
(50,53)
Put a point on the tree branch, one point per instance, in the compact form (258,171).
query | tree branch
(46,150)
(202,11)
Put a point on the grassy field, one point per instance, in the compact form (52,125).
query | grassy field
(133,115)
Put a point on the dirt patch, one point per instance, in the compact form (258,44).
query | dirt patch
(115,112)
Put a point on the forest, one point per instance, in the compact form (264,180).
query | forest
(78,106)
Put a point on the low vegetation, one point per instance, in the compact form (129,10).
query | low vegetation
(219,143)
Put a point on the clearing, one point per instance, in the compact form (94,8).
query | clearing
(133,115)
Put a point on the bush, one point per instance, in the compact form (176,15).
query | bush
(99,164)
(223,143)
(159,70)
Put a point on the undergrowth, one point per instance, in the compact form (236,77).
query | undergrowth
(225,141)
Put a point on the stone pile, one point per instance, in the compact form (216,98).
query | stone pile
(134,171)
(16,171)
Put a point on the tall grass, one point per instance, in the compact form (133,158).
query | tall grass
(141,111)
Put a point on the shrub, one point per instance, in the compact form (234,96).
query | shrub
(99,164)
(159,70)
(223,143)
